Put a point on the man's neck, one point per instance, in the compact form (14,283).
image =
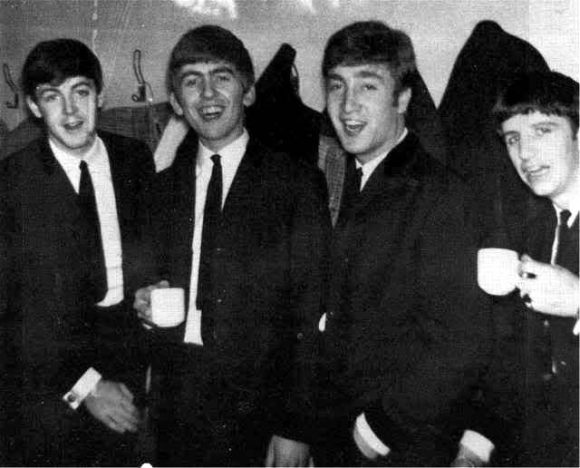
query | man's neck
(569,200)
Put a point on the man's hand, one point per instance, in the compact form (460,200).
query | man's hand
(112,404)
(142,303)
(287,452)
(549,289)
(467,458)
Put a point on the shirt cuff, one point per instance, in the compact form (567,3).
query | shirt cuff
(576,330)
(370,437)
(85,385)
(478,444)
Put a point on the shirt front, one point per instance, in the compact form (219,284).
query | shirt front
(231,156)
(99,167)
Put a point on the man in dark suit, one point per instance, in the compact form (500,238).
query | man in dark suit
(405,330)
(531,391)
(243,231)
(73,216)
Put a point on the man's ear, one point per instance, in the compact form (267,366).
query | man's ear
(33,107)
(250,96)
(100,100)
(175,104)
(403,100)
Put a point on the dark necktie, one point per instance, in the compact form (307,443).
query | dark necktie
(211,220)
(351,190)
(91,241)
(563,234)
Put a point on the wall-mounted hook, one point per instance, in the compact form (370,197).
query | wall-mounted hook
(141,94)
(8,79)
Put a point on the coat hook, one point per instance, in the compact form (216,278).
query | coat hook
(8,79)
(141,94)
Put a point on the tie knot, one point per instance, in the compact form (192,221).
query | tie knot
(216,159)
(84,166)
(564,217)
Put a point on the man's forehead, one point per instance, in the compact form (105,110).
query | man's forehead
(531,119)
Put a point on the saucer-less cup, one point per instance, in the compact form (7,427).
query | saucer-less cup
(167,307)
(497,270)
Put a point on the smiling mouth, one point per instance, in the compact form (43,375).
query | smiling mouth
(73,126)
(535,172)
(353,127)
(210,113)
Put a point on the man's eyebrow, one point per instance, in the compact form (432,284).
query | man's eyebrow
(550,123)
(222,69)
(369,74)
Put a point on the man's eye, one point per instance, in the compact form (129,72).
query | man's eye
(49,97)
(543,130)
(334,86)
(83,92)
(223,78)
(511,140)
(190,82)
(369,87)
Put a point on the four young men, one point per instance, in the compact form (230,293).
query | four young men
(347,348)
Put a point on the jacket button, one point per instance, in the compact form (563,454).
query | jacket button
(300,335)
(547,376)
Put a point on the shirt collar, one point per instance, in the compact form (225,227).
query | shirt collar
(231,155)
(369,167)
(70,162)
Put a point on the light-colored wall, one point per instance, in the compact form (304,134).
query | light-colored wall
(114,28)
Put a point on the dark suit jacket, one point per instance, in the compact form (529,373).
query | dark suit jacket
(267,277)
(526,409)
(407,328)
(54,329)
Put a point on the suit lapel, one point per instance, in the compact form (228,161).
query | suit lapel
(395,173)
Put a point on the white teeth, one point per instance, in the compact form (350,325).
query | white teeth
(353,126)
(211,111)
(73,125)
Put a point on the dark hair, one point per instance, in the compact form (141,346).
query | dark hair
(57,60)
(210,43)
(550,93)
(373,42)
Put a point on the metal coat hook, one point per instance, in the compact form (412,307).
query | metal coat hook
(141,95)
(8,79)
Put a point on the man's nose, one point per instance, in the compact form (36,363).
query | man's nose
(349,102)
(208,89)
(70,105)
(528,149)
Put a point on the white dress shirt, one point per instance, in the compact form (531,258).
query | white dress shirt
(97,160)
(231,157)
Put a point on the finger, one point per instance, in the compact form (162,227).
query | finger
(529,266)
(112,424)
(127,417)
(163,284)
(126,392)
(123,423)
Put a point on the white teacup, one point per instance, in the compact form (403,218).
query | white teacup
(497,270)
(167,307)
